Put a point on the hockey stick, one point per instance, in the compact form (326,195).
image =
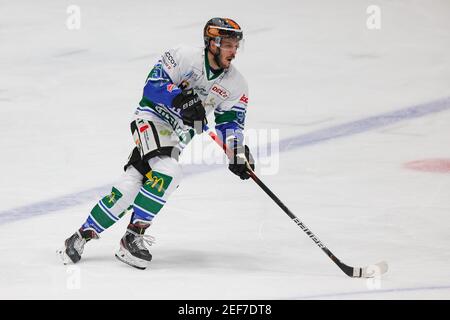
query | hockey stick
(364,272)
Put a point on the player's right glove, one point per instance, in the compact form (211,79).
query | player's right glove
(191,108)
(240,162)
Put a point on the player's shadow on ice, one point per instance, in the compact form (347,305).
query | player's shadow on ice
(191,259)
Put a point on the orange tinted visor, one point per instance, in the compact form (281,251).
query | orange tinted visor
(214,31)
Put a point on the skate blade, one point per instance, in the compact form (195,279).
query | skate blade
(63,256)
(130,260)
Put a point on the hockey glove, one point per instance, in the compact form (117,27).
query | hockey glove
(241,161)
(191,109)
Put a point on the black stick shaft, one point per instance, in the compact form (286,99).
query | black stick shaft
(290,214)
(346,269)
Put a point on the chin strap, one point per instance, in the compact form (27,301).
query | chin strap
(216,56)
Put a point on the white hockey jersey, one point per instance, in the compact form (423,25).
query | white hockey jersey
(224,93)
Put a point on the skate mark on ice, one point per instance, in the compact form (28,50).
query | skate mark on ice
(370,292)
(70,53)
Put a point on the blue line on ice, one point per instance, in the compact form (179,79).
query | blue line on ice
(334,132)
(367,124)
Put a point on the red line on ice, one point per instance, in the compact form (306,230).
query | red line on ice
(430,165)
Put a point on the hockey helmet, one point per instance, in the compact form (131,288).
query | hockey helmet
(218,28)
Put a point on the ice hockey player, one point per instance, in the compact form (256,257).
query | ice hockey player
(184,86)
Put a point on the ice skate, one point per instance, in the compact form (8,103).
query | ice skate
(133,250)
(74,245)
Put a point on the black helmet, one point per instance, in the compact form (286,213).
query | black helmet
(218,28)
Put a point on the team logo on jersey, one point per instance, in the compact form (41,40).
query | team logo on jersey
(157,72)
(220,91)
(244,99)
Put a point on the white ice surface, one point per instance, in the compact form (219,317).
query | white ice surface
(66,98)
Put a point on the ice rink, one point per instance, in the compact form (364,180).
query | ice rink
(360,116)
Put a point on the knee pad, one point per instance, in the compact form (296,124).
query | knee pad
(161,181)
(129,184)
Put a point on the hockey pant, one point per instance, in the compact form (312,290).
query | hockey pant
(151,175)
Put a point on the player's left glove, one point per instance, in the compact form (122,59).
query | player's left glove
(241,161)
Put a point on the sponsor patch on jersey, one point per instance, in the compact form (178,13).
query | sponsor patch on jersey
(165,132)
(169,61)
(197,74)
(143,128)
(244,99)
(159,182)
(170,87)
(220,91)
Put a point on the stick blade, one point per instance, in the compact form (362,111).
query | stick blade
(372,271)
